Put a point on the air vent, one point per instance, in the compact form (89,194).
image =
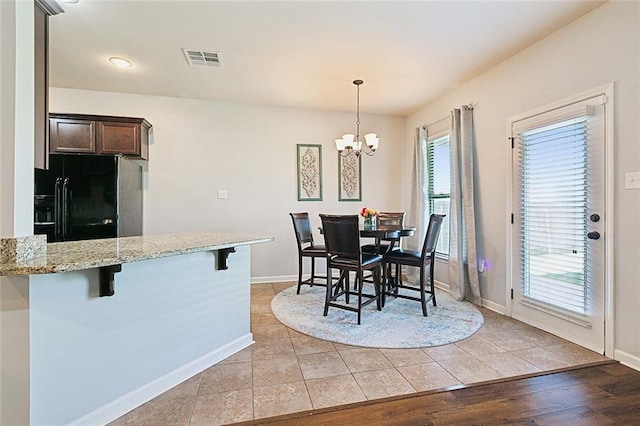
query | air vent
(202,58)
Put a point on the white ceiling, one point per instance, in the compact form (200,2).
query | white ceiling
(299,53)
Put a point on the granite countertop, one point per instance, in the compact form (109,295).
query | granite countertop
(87,254)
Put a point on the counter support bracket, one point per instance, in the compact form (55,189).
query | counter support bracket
(107,279)
(223,254)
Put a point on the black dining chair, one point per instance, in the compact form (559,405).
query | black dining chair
(423,260)
(386,219)
(307,248)
(342,239)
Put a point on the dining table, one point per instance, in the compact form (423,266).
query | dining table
(386,232)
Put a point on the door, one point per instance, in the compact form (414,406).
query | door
(559,221)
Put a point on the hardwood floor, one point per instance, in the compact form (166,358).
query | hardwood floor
(605,393)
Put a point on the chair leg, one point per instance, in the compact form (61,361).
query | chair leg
(346,286)
(379,286)
(327,298)
(312,279)
(299,274)
(432,285)
(359,284)
(423,296)
(383,285)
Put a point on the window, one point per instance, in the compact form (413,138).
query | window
(436,151)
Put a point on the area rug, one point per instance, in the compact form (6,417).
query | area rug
(400,324)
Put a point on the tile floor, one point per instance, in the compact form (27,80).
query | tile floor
(286,371)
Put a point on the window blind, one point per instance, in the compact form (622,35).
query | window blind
(553,163)
(439,186)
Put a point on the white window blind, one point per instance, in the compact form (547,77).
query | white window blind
(552,151)
(439,187)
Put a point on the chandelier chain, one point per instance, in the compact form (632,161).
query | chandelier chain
(358,113)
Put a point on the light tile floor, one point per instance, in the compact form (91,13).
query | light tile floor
(286,371)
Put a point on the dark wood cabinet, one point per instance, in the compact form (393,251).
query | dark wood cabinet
(72,135)
(95,134)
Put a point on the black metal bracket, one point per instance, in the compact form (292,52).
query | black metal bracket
(223,254)
(107,279)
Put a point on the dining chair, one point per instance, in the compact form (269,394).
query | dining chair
(423,259)
(342,239)
(386,219)
(307,248)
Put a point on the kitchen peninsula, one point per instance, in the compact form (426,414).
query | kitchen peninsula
(102,326)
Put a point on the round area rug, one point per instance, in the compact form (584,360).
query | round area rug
(400,324)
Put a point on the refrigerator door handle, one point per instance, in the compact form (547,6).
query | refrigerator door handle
(57,209)
(65,208)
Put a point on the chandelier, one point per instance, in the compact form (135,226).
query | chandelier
(351,144)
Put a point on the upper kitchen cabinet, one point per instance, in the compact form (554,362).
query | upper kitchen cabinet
(96,134)
(42,10)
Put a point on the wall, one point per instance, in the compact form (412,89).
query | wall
(16,118)
(199,147)
(16,200)
(93,359)
(601,47)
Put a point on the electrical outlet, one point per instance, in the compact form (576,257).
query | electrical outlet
(632,180)
(482,266)
(222,194)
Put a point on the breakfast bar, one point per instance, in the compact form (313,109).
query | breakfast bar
(112,323)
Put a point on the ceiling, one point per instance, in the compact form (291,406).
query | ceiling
(302,54)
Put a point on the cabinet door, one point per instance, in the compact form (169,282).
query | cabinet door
(72,135)
(118,138)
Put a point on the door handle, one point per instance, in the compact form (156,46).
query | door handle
(65,208)
(593,235)
(57,209)
(595,217)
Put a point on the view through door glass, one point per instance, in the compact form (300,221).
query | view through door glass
(558,259)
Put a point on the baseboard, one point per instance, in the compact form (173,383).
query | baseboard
(276,279)
(442,286)
(122,405)
(627,359)
(493,306)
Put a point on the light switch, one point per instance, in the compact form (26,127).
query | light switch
(222,193)
(632,180)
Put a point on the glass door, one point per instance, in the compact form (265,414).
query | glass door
(558,222)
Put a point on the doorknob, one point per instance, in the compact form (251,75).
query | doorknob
(593,235)
(594,218)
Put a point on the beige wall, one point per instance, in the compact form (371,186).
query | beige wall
(601,47)
(249,150)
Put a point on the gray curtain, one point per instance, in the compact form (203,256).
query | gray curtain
(416,216)
(463,264)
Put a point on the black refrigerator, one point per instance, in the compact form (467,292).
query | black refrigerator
(82,197)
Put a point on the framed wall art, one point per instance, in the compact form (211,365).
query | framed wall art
(349,178)
(309,161)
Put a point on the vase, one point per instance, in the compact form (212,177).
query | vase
(370,222)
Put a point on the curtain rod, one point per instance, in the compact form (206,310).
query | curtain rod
(470,105)
(425,126)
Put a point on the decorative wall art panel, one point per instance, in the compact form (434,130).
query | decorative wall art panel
(309,172)
(350,178)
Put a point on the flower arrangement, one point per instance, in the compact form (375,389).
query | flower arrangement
(367,212)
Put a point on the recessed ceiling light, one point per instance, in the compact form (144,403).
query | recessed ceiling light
(120,62)
(70,1)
